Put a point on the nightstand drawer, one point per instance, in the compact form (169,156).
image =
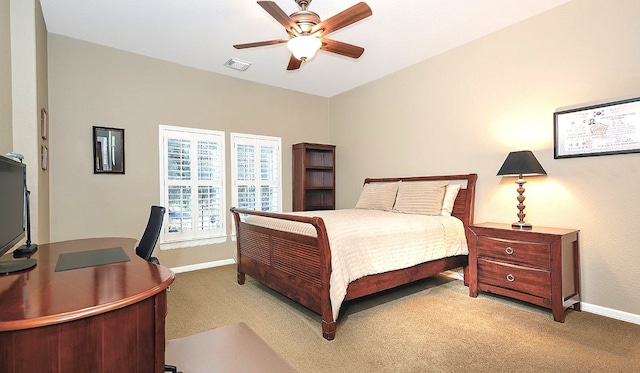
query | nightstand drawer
(527,253)
(523,279)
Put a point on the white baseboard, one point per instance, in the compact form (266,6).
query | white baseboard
(195,267)
(611,313)
(585,307)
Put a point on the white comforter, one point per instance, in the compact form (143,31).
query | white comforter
(365,242)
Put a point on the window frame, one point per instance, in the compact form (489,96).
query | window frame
(174,240)
(242,138)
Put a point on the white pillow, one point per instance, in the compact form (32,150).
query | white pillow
(378,196)
(420,197)
(449,199)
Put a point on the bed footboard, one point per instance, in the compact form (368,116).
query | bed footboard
(299,265)
(295,265)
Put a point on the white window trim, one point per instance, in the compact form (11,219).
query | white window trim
(191,242)
(234,139)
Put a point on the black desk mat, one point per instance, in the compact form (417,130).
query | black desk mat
(91,258)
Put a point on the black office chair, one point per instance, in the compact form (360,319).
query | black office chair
(148,243)
(151,233)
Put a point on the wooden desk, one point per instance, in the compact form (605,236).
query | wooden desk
(97,319)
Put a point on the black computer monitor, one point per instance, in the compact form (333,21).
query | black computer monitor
(13,213)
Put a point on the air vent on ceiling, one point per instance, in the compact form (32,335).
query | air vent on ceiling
(237,64)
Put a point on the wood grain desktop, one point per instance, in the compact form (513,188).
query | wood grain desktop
(108,317)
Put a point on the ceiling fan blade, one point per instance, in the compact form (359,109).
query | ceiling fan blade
(343,19)
(294,63)
(276,12)
(339,47)
(260,43)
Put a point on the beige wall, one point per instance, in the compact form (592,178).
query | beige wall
(94,85)
(23,92)
(6,131)
(41,220)
(465,110)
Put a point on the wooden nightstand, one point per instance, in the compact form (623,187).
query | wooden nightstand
(538,265)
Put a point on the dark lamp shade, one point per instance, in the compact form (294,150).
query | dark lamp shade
(521,163)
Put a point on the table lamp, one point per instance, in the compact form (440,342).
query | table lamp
(518,164)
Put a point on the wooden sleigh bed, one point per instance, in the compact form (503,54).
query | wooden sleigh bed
(299,265)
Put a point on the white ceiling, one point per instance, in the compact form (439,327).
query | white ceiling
(200,34)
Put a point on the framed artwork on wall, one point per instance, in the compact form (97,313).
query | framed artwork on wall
(44,157)
(44,123)
(611,128)
(108,150)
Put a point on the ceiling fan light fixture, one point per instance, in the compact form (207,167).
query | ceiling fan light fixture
(307,32)
(304,47)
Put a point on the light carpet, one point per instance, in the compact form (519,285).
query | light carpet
(428,326)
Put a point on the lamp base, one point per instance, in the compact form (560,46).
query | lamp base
(521,225)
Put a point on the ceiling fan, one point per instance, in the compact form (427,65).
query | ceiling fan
(307,33)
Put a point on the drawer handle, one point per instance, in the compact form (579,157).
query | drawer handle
(509,250)
(510,277)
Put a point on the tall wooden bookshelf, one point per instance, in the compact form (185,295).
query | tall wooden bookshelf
(314,177)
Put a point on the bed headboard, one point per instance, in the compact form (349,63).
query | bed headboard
(463,206)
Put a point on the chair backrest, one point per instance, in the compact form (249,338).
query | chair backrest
(151,233)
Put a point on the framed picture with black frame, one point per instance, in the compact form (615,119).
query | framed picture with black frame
(604,129)
(108,150)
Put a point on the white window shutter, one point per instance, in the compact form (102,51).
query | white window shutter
(192,179)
